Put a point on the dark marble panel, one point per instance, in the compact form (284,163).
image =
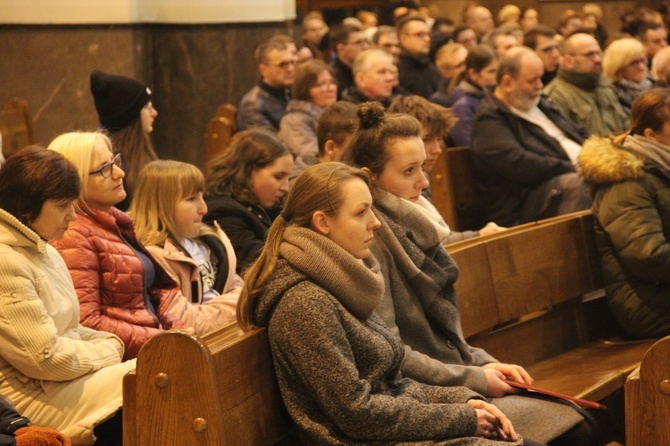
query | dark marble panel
(50,68)
(195,69)
(191,70)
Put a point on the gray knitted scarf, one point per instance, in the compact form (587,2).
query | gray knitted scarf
(421,258)
(358,285)
(649,149)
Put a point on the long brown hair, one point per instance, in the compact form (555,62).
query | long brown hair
(318,188)
(136,150)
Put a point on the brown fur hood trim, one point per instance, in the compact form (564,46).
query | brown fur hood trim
(603,161)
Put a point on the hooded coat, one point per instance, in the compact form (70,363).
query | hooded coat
(188,305)
(58,373)
(631,209)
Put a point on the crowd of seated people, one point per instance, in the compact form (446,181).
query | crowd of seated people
(320,201)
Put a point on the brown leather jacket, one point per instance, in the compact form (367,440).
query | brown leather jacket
(109,279)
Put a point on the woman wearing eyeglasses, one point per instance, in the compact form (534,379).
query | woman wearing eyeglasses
(625,63)
(314,89)
(121,288)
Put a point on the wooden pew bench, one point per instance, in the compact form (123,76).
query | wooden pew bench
(531,296)
(521,294)
(219,389)
(648,398)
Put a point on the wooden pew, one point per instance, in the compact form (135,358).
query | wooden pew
(219,389)
(220,131)
(522,297)
(454,189)
(521,294)
(15,126)
(648,398)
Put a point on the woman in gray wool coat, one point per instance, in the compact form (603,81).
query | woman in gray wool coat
(419,301)
(316,287)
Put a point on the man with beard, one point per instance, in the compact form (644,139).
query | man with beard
(582,93)
(524,150)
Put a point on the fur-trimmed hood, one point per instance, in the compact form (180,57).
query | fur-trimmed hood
(602,161)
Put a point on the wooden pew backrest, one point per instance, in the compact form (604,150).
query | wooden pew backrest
(455,192)
(521,297)
(15,126)
(220,131)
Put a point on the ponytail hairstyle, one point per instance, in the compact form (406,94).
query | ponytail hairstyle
(318,188)
(161,185)
(375,133)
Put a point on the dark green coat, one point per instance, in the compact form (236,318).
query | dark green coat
(631,207)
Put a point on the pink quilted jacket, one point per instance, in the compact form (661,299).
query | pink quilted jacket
(109,279)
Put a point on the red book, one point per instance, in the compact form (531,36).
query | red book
(579,401)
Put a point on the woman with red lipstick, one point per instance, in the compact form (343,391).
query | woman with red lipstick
(126,113)
(244,189)
(121,288)
(419,275)
(168,209)
(316,287)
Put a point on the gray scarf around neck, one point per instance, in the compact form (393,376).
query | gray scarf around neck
(649,149)
(357,284)
(422,260)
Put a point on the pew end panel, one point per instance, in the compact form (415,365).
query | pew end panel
(216,390)
(647,394)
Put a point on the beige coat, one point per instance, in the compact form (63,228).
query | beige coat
(57,373)
(184,270)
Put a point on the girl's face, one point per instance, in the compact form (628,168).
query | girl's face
(352,226)
(403,174)
(147,115)
(433,149)
(188,213)
(54,218)
(103,192)
(324,91)
(270,183)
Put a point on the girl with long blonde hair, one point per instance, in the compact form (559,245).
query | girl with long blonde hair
(168,208)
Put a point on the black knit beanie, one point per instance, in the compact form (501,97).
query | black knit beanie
(118,99)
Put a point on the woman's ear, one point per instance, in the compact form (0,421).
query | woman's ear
(649,134)
(373,176)
(320,223)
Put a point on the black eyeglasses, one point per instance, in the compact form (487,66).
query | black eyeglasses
(107,168)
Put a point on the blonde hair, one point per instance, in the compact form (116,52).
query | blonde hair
(619,54)
(78,147)
(160,186)
(318,188)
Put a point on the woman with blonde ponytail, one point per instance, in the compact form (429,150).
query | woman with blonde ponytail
(315,287)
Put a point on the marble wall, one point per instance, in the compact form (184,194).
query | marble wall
(191,69)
